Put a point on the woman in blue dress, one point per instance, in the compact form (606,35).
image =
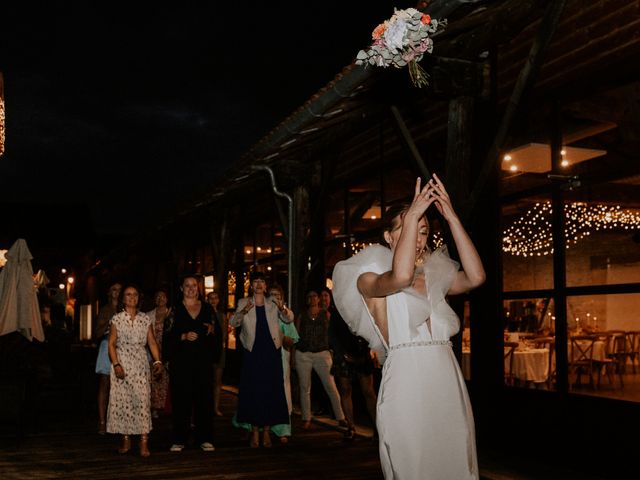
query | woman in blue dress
(261,396)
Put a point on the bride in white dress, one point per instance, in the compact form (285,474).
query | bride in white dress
(395,298)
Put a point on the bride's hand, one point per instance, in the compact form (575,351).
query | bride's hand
(441,198)
(422,198)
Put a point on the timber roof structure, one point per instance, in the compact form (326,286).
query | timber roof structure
(512,54)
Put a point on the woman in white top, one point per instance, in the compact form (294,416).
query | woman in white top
(395,298)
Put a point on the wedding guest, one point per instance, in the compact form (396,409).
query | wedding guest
(312,354)
(352,361)
(103,364)
(129,411)
(159,384)
(261,397)
(289,339)
(192,341)
(395,298)
(218,367)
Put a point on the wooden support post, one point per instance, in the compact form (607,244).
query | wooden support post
(457,176)
(457,180)
(221,245)
(301,217)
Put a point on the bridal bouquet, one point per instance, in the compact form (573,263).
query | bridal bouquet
(402,41)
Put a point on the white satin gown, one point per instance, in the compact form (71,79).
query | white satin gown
(424,417)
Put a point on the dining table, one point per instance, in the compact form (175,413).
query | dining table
(529,364)
(599,349)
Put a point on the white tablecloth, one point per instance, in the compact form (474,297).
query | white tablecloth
(531,365)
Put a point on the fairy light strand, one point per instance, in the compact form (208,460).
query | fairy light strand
(531,235)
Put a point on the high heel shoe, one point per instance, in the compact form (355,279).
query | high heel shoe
(126,445)
(144,445)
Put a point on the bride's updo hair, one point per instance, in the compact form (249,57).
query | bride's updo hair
(392,217)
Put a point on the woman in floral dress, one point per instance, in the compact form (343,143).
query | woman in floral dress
(129,411)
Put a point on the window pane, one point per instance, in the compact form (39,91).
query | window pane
(604,335)
(529,343)
(527,251)
(603,236)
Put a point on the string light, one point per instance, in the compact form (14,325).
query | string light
(436,241)
(531,235)
(357,246)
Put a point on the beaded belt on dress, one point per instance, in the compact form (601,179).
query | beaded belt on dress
(424,343)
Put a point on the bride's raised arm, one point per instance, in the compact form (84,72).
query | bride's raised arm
(403,240)
(472,274)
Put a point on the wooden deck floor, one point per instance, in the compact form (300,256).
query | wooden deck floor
(66,446)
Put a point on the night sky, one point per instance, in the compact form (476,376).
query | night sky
(132,113)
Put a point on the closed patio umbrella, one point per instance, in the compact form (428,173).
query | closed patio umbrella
(19,307)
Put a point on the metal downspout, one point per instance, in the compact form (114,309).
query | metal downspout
(289,227)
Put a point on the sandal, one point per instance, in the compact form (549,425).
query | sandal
(266,439)
(254,442)
(350,434)
(144,445)
(126,445)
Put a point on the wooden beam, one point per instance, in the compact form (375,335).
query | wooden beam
(454,77)
(473,34)
(405,134)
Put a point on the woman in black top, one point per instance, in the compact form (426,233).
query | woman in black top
(192,342)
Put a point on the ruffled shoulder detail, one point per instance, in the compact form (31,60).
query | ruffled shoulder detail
(349,301)
(440,271)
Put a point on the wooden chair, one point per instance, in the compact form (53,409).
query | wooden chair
(607,365)
(526,335)
(633,347)
(509,348)
(581,357)
(549,343)
(617,350)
